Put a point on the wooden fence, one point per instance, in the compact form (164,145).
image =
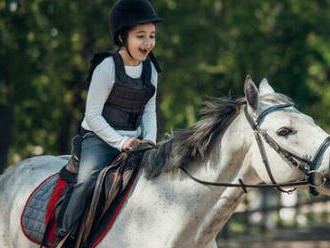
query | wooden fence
(263,213)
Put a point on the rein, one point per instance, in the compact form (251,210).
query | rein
(304,164)
(243,185)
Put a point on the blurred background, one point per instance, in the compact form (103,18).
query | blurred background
(205,47)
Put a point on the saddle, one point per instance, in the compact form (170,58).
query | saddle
(111,185)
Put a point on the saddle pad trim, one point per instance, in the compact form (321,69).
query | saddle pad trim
(26,204)
(50,214)
(118,210)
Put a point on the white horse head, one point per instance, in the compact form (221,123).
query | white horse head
(291,130)
(169,209)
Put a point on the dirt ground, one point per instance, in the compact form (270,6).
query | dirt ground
(308,237)
(280,244)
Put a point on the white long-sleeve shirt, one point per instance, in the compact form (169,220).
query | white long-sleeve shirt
(100,87)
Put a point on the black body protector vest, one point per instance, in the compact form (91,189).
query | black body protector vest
(124,107)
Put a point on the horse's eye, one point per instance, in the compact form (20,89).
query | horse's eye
(284,131)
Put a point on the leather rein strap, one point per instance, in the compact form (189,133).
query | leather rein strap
(304,164)
(243,185)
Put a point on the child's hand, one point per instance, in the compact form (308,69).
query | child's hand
(148,141)
(131,144)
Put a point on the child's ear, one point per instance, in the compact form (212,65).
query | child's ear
(120,39)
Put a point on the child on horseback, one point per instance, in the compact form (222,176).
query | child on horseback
(120,109)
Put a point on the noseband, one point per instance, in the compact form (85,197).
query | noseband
(305,164)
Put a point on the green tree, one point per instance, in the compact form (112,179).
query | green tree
(206,48)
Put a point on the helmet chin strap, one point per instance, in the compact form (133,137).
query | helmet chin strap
(129,53)
(151,56)
(124,46)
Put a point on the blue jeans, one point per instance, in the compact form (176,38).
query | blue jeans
(95,155)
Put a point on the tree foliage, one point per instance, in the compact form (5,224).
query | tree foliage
(206,48)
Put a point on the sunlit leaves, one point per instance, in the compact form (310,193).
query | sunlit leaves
(205,47)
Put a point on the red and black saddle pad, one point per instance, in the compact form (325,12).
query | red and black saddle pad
(39,211)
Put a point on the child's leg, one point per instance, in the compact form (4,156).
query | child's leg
(95,155)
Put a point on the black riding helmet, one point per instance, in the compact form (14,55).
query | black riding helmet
(128,13)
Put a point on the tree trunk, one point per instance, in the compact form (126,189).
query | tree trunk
(6,127)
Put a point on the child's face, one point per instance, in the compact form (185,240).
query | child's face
(141,40)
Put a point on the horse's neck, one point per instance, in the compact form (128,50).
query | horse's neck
(203,210)
(230,161)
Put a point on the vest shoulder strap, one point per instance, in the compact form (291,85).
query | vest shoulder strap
(146,73)
(155,62)
(119,66)
(97,59)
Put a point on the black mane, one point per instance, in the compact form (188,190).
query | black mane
(196,142)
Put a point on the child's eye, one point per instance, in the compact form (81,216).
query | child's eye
(143,37)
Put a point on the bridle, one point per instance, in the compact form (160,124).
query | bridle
(305,164)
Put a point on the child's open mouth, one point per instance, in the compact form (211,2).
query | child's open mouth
(144,51)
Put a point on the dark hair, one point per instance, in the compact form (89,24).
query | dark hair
(123,34)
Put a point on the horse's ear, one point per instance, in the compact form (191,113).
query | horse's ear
(265,88)
(251,93)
